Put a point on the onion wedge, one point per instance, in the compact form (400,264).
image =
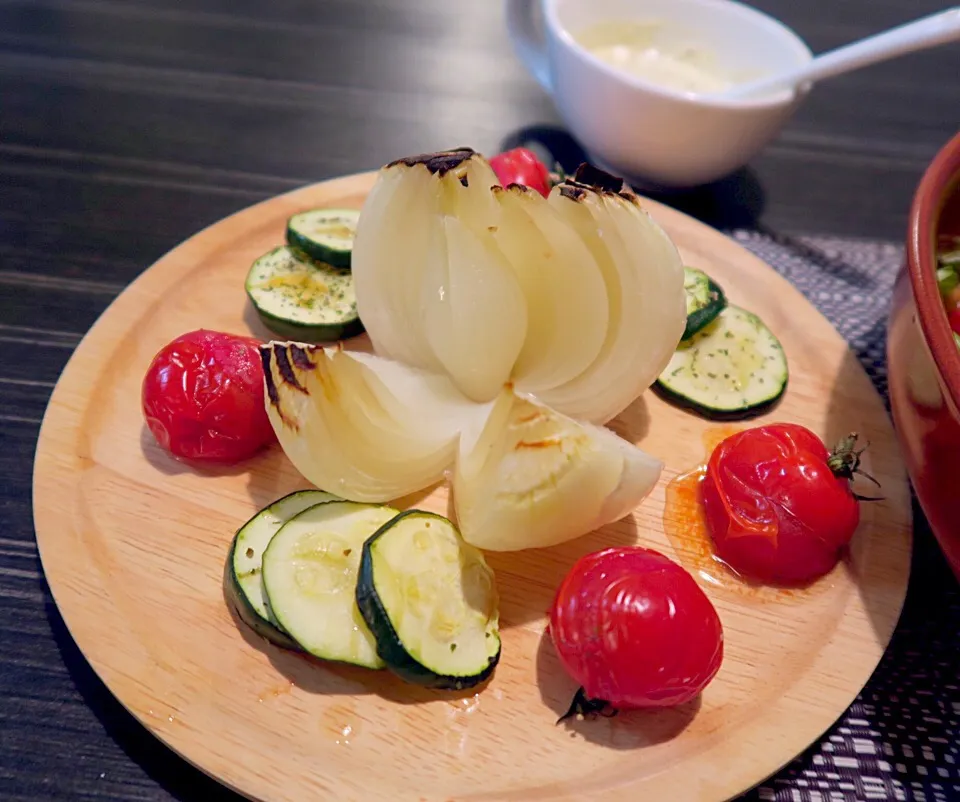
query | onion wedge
(640,473)
(507,327)
(368,429)
(534,478)
(401,272)
(476,318)
(643,274)
(567,306)
(389,251)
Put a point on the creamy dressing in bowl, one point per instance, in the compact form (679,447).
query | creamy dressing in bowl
(647,51)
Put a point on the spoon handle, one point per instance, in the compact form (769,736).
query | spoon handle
(931,31)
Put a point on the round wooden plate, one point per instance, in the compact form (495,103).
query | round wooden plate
(134,543)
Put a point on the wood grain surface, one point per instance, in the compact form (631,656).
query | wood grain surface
(133,544)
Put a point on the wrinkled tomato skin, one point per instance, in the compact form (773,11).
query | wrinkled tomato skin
(203,397)
(775,511)
(521,166)
(635,629)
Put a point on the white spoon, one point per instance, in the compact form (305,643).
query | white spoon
(931,31)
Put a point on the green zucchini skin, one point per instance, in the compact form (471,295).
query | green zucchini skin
(282,509)
(702,376)
(336,251)
(389,645)
(297,319)
(704,306)
(245,612)
(304,333)
(717,415)
(325,625)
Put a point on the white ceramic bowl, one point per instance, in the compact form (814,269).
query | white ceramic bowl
(638,129)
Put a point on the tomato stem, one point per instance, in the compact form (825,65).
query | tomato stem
(844,462)
(558,175)
(582,706)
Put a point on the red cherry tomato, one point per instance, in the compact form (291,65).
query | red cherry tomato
(953,316)
(635,630)
(952,299)
(521,166)
(778,505)
(203,397)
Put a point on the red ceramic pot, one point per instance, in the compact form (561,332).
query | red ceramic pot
(923,358)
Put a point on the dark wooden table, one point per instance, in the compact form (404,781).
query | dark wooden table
(127,125)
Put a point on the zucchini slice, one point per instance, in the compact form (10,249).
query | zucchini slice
(304,300)
(244,564)
(732,369)
(431,601)
(705,300)
(310,576)
(324,234)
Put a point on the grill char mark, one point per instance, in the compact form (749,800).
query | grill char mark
(287,375)
(439,163)
(595,177)
(301,358)
(573,192)
(272,394)
(266,356)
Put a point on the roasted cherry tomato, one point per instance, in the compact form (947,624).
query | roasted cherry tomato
(778,504)
(952,299)
(953,316)
(521,166)
(635,630)
(203,397)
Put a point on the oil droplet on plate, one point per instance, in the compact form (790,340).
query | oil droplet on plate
(684,522)
(686,528)
(715,435)
(345,732)
(341,723)
(273,693)
(459,712)
(468,705)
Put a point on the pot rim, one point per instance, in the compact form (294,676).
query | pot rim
(939,181)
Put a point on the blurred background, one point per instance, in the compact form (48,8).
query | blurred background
(182,112)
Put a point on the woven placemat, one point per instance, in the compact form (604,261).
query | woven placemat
(900,740)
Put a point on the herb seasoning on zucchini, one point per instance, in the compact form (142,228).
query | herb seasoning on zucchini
(302,299)
(244,576)
(310,575)
(732,369)
(705,300)
(324,234)
(431,602)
